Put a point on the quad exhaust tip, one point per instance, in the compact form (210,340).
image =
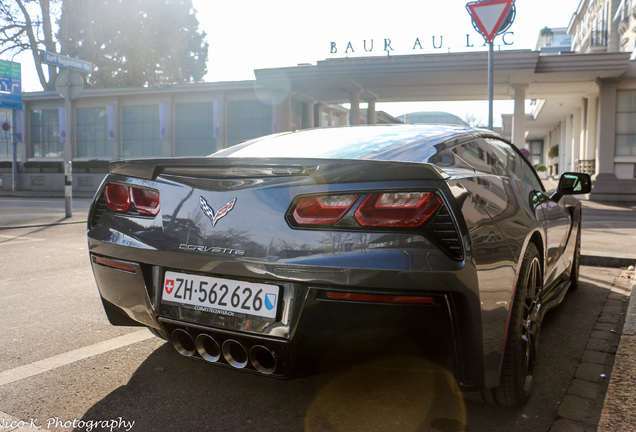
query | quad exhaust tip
(237,355)
(208,348)
(234,353)
(183,342)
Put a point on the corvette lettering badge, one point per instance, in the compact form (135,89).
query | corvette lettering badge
(214,217)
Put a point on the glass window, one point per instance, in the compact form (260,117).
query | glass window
(247,120)
(140,131)
(511,163)
(195,129)
(45,134)
(92,132)
(626,123)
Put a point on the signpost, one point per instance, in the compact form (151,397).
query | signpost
(11,98)
(490,18)
(69,85)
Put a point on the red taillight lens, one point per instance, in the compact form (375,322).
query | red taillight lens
(117,197)
(324,210)
(146,201)
(120,197)
(400,209)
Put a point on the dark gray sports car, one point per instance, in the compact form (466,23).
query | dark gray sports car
(259,253)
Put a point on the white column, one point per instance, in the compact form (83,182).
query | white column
(565,151)
(354,112)
(576,139)
(606,130)
(519,118)
(371,117)
(589,152)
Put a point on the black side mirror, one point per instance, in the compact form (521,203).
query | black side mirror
(573,183)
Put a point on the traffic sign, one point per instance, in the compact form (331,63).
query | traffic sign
(6,127)
(69,84)
(525,152)
(10,105)
(489,16)
(67,62)
(10,77)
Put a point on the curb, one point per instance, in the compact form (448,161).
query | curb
(592,401)
(606,261)
(619,408)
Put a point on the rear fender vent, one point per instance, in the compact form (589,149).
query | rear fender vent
(443,231)
(98,210)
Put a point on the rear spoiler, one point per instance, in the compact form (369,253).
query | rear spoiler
(322,170)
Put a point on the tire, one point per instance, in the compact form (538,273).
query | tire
(517,373)
(576,262)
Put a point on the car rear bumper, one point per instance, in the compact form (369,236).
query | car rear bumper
(309,325)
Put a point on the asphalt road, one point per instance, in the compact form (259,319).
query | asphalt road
(64,367)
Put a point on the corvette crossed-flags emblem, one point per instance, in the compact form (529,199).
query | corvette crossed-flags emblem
(209,211)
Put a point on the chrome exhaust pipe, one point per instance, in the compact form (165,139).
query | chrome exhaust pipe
(183,342)
(263,359)
(234,353)
(208,348)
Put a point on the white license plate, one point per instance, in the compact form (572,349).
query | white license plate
(221,296)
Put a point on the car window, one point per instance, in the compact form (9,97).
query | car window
(481,156)
(513,163)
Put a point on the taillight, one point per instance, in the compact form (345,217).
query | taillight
(120,198)
(323,210)
(400,209)
(146,200)
(117,197)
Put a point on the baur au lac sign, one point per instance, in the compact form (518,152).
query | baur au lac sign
(419,44)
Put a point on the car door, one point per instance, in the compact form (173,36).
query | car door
(554,216)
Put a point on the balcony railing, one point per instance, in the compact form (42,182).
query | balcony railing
(598,38)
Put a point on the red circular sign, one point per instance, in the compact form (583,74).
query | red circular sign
(525,152)
(6,126)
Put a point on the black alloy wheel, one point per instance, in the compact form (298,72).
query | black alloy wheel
(517,374)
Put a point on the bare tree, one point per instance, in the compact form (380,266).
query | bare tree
(26,25)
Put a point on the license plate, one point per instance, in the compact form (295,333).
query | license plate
(221,296)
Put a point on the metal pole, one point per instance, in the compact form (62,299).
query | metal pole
(491,79)
(14,166)
(68,167)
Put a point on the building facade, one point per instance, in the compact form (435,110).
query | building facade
(582,115)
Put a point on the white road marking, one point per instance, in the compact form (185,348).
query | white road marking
(41,366)
(18,239)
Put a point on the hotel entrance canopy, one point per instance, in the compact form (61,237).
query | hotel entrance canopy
(560,81)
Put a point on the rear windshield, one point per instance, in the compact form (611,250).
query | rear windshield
(398,143)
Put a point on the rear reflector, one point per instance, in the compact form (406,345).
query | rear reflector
(323,210)
(379,298)
(400,209)
(114,264)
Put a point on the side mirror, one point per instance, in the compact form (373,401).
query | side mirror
(572,183)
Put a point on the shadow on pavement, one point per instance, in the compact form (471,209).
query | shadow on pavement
(170,392)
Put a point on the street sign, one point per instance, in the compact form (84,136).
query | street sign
(11,101)
(525,152)
(67,62)
(10,105)
(6,127)
(10,77)
(69,84)
(489,16)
